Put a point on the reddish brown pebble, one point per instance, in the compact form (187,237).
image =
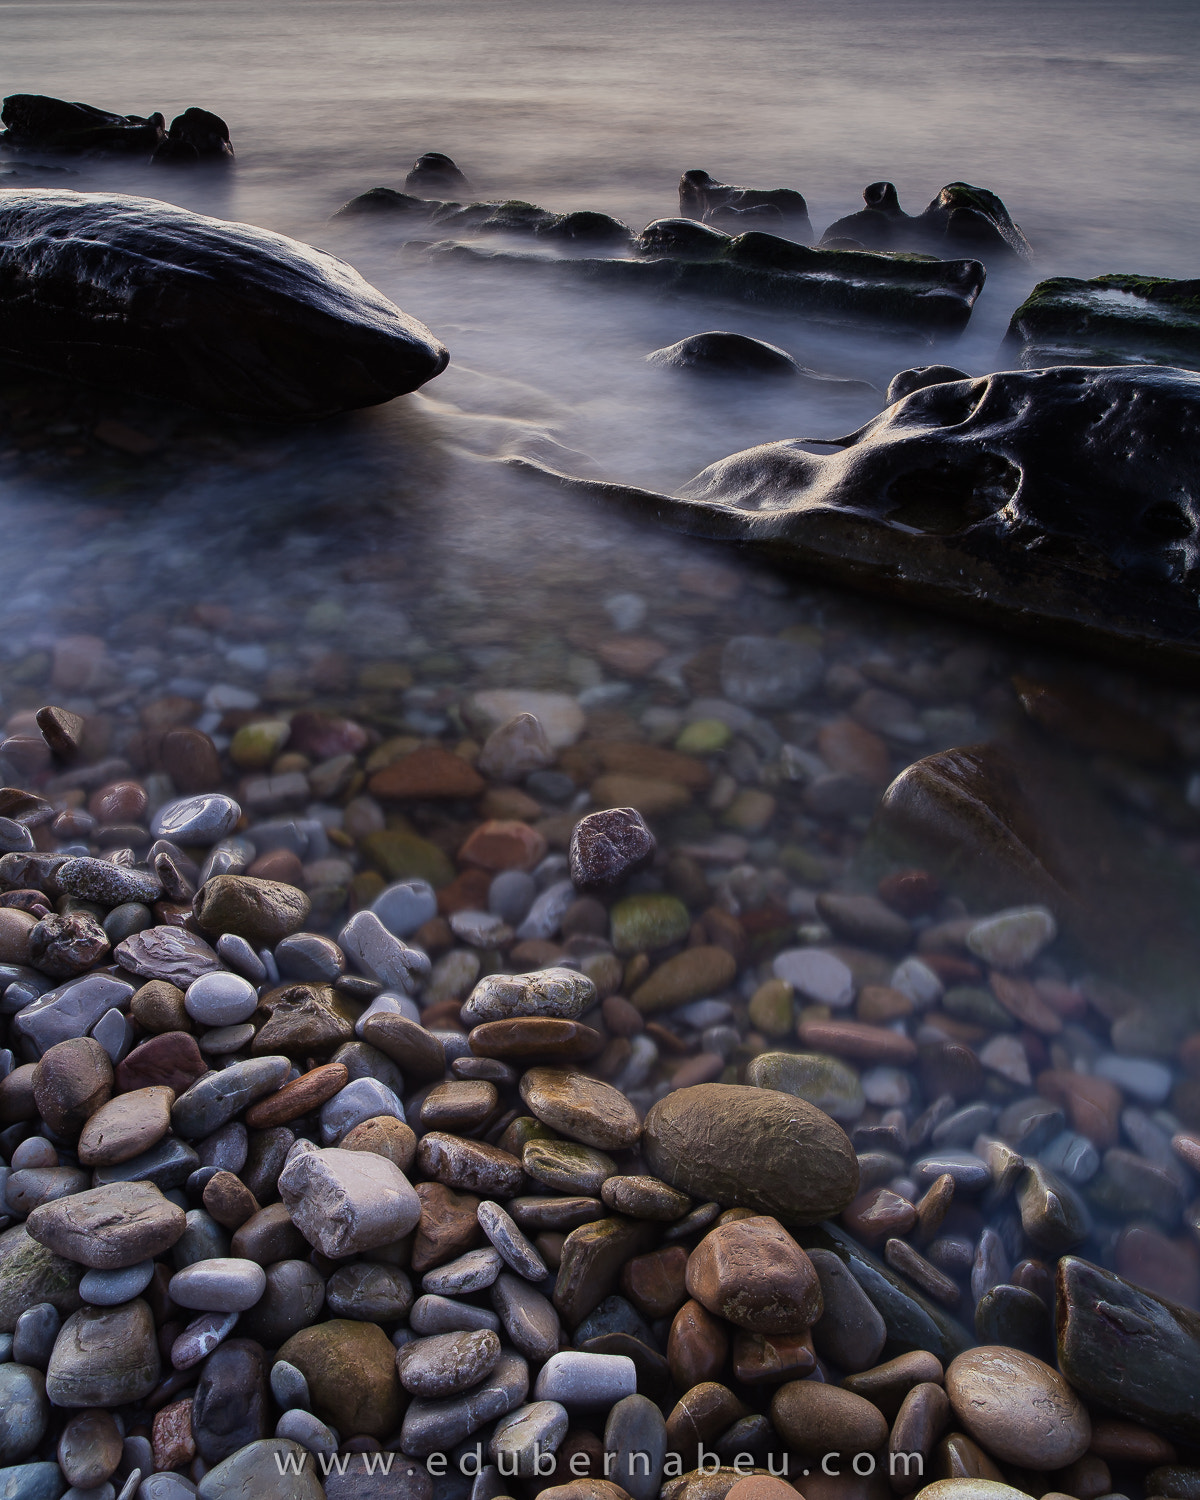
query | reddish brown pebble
(886,1385)
(172,1059)
(752,1273)
(229,1200)
(530,1038)
(875,1216)
(119,802)
(1093,1105)
(1130,1442)
(1021,999)
(656,1283)
(72,1081)
(448,1226)
(697,1345)
(384,1136)
(171,1437)
(503,845)
(432,771)
(910,892)
(298,1097)
(278,864)
(191,760)
(868,1044)
(762,1359)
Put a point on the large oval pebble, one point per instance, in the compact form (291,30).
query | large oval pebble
(1020,1410)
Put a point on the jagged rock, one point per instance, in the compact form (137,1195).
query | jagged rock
(1112,320)
(138,295)
(701,197)
(35,122)
(1063,502)
(961,220)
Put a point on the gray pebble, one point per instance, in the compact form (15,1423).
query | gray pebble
(523,1434)
(364,1099)
(435,1314)
(15,838)
(202,1239)
(405,906)
(217,1098)
(636,1426)
(379,953)
(388,1003)
(309,1431)
(369,1292)
(111,1288)
(430,1426)
(510,896)
(205,819)
(114,1032)
(200,1338)
(220,999)
(1072,1156)
(545,915)
(225,1285)
(583,1381)
(124,920)
(24,1412)
(168,1164)
(166,1487)
(512,1245)
(529,1317)
(309,956)
(447,1363)
(962,1126)
(71,1010)
(226,1148)
(108,884)
(240,956)
(223,1041)
(472,1272)
(34,1335)
(289,1387)
(561,993)
(969,1172)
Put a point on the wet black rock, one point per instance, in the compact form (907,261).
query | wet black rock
(916,379)
(134,294)
(685,257)
(1064,502)
(435,173)
(507,216)
(195,136)
(608,846)
(35,122)
(1128,1351)
(702,197)
(961,220)
(1111,320)
(733,353)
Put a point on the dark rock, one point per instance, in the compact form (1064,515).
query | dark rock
(700,197)
(683,257)
(1128,1351)
(38,123)
(1016,1316)
(918,378)
(961,220)
(434,172)
(293,1300)
(66,946)
(135,294)
(994,498)
(1111,320)
(195,136)
(725,353)
(168,953)
(229,1409)
(608,846)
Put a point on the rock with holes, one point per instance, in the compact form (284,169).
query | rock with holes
(1063,501)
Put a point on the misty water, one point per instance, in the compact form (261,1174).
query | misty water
(389,563)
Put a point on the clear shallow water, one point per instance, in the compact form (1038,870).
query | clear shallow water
(1082,117)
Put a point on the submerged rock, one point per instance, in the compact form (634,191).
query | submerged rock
(687,258)
(961,220)
(134,294)
(435,172)
(1062,501)
(702,197)
(721,353)
(507,216)
(35,122)
(1108,321)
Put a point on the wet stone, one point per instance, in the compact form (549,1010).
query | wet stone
(229,1409)
(1052,1213)
(264,912)
(372,1293)
(168,953)
(24,1411)
(1018,1408)
(224,1285)
(34,1335)
(71,1082)
(111,1227)
(405,905)
(529,1318)
(89,1449)
(562,994)
(510,1243)
(448,1363)
(607,847)
(204,819)
(348,1201)
(256,1470)
(292,1301)
(364,1099)
(644,1198)
(829,1084)
(104,1357)
(581,1108)
(65,946)
(111,1288)
(221,999)
(219,1097)
(125,1126)
(469,1166)
(473,1271)
(433,1425)
(200,1338)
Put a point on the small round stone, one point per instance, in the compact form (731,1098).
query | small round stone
(220,1285)
(205,819)
(111,1288)
(221,999)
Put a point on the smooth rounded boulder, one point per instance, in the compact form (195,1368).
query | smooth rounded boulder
(751,1148)
(1020,1409)
(140,296)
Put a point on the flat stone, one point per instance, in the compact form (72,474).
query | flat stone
(529,1318)
(345,1202)
(430,1426)
(167,1165)
(405,905)
(364,1099)
(1014,938)
(24,1411)
(529,1039)
(407,1043)
(298,1097)
(111,1288)
(643,1197)
(221,999)
(469,1166)
(224,1285)
(430,771)
(169,953)
(560,716)
(262,1470)
(70,1010)
(521,1436)
(292,1301)
(126,1126)
(201,1336)
(36,1481)
(203,819)
(219,1097)
(762,672)
(447,1363)
(581,1108)
(381,954)
(751,1148)
(369,1292)
(1020,1410)
(694,974)
(89,1449)
(819,977)
(104,1357)
(432,1314)
(474,1271)
(591,1261)
(563,994)
(385,1136)
(510,1243)
(350,1368)
(827,1083)
(1052,1213)
(109,1227)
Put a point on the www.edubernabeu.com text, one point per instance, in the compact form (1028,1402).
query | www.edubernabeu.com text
(536,1462)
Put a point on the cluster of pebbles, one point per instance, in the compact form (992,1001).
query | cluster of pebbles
(572,1165)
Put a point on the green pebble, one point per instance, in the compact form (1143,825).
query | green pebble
(704,737)
(640,924)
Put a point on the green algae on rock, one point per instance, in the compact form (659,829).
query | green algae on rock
(1110,320)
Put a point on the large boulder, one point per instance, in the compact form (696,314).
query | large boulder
(133,294)
(36,122)
(961,220)
(1111,320)
(1062,502)
(702,197)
